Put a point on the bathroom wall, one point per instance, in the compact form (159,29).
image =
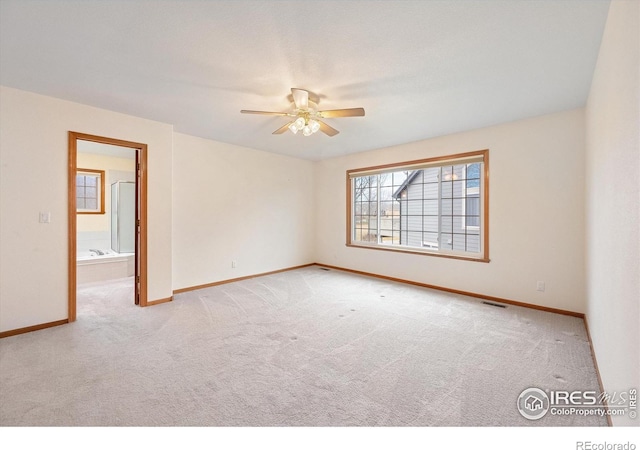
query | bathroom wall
(94,230)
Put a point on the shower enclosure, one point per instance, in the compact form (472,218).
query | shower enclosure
(123,216)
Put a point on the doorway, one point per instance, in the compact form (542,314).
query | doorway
(89,190)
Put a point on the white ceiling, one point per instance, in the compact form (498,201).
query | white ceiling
(419,68)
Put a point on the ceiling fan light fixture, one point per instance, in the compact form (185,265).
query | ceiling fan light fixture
(314,125)
(306,116)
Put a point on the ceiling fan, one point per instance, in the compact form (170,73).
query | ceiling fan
(306,117)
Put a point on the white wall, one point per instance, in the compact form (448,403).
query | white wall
(613,202)
(102,222)
(94,230)
(536,213)
(33,178)
(234,203)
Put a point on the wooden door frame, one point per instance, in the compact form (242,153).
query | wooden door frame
(141,177)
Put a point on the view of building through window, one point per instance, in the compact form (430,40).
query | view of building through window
(434,208)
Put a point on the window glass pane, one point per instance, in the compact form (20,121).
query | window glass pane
(446,189)
(386,193)
(473,171)
(458,189)
(446,241)
(88,188)
(446,207)
(386,233)
(396,208)
(447,173)
(361,187)
(472,205)
(473,229)
(397,178)
(473,244)
(430,223)
(430,240)
(459,242)
(457,205)
(473,175)
(414,223)
(431,174)
(386,208)
(446,224)
(413,207)
(435,208)
(459,172)
(431,207)
(414,239)
(430,190)
(373,222)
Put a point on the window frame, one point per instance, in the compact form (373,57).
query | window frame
(100,209)
(454,159)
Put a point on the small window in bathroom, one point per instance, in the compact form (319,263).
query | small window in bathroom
(89,191)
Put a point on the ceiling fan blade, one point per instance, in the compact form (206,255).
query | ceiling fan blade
(349,112)
(269,113)
(326,129)
(300,98)
(283,128)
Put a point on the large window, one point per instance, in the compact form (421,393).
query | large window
(436,206)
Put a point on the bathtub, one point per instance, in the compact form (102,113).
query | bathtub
(109,266)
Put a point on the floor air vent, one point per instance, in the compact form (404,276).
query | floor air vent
(497,305)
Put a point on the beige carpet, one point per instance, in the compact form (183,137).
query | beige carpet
(306,347)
